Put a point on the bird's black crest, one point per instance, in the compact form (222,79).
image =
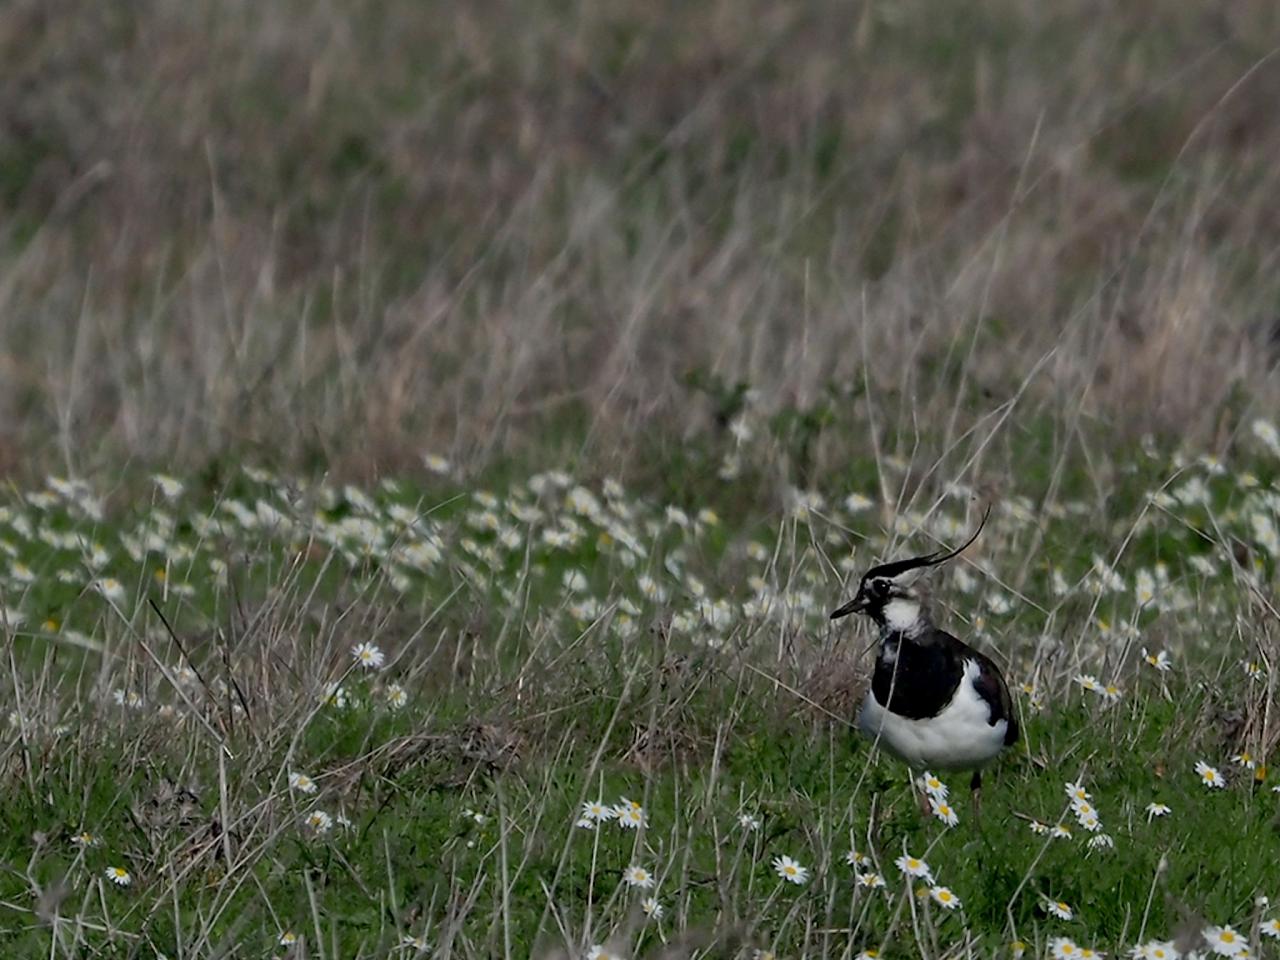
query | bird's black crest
(897,567)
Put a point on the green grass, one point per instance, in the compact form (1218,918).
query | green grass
(527,694)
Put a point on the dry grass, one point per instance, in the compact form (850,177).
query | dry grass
(347,234)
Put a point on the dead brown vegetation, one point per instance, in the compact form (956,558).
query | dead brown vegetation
(349,233)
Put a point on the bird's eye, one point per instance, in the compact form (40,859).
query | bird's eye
(878,587)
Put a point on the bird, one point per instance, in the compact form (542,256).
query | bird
(934,701)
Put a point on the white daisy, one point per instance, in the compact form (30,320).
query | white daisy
(437,464)
(334,696)
(790,870)
(368,656)
(1158,660)
(593,810)
(1224,941)
(635,876)
(856,503)
(944,812)
(302,783)
(1209,776)
(914,867)
(631,815)
(856,858)
(1267,434)
(1059,909)
(934,787)
(944,896)
(396,696)
(170,487)
(110,588)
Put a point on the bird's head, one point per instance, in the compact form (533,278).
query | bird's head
(889,594)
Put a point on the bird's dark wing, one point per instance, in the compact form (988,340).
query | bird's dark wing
(916,677)
(991,687)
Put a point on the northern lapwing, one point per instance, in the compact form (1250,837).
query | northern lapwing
(934,701)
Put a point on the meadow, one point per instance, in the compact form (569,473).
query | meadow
(555,716)
(432,446)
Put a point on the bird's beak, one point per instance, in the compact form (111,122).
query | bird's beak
(853,606)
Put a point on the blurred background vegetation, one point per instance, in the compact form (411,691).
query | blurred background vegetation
(337,235)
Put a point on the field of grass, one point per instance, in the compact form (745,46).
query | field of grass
(371,720)
(433,440)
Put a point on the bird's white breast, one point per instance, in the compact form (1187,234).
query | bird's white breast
(958,738)
(903,616)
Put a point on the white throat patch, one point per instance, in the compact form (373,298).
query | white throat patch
(903,616)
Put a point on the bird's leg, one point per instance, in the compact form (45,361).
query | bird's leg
(919,793)
(975,785)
